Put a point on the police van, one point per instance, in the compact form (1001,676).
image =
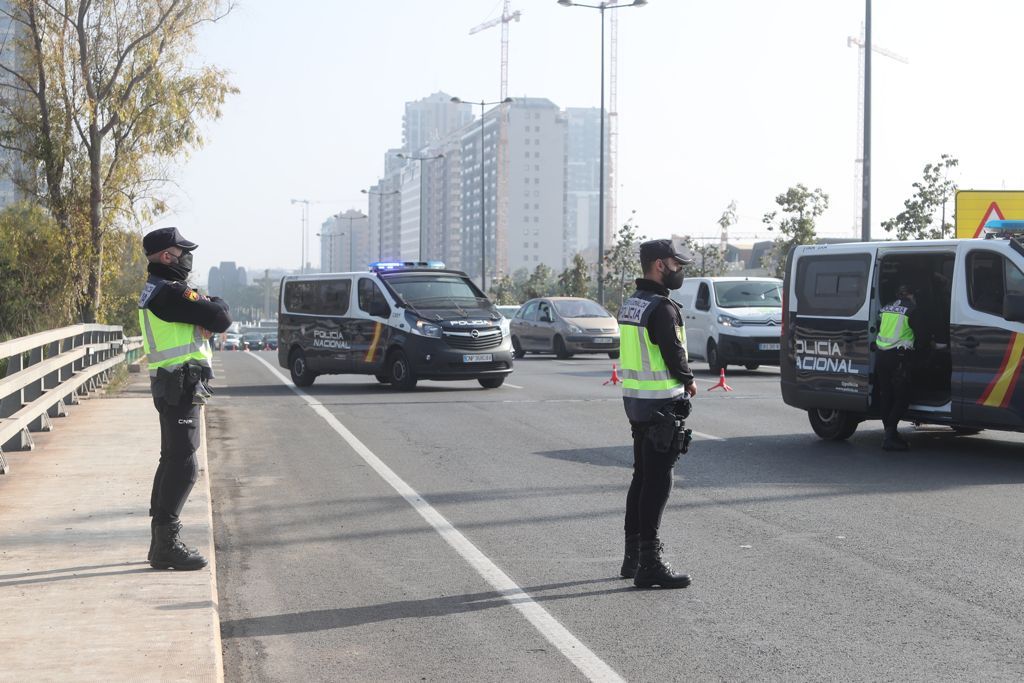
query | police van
(400,321)
(970,298)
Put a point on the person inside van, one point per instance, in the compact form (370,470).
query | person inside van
(894,362)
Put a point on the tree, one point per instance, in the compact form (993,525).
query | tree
(800,207)
(541,282)
(504,290)
(621,266)
(915,222)
(708,259)
(97,99)
(575,280)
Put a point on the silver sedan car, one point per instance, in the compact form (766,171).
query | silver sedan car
(564,326)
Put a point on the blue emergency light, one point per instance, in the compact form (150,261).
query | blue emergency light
(398,265)
(1003,228)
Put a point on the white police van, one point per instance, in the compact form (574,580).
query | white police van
(400,321)
(970,295)
(732,320)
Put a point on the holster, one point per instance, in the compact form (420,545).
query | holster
(668,432)
(180,384)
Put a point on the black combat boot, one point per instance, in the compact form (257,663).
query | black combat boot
(653,571)
(152,540)
(171,553)
(631,558)
(894,442)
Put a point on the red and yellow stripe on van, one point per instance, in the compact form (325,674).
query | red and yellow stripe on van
(377,327)
(1000,389)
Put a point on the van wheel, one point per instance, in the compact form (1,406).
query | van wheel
(752,366)
(560,349)
(517,349)
(399,372)
(715,364)
(301,375)
(491,382)
(832,425)
(613,354)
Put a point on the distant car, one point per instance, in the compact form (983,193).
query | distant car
(564,326)
(509,311)
(253,341)
(270,342)
(231,342)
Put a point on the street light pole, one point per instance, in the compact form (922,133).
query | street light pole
(483,218)
(305,229)
(400,155)
(600,208)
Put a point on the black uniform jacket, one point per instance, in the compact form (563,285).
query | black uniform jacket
(176,302)
(663,329)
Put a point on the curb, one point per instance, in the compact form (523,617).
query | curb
(204,466)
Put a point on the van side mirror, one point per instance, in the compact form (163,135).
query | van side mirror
(1013,307)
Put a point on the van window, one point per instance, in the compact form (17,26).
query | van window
(300,297)
(545,313)
(529,311)
(748,294)
(832,284)
(703,302)
(990,277)
(334,296)
(371,299)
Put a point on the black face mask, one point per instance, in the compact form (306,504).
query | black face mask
(183,266)
(673,280)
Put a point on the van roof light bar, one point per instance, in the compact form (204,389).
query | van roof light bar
(1002,228)
(384,266)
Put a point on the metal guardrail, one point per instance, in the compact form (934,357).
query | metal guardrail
(47,372)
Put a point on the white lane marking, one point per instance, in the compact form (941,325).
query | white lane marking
(592,666)
(709,437)
(511,386)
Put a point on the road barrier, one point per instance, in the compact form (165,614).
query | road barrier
(49,371)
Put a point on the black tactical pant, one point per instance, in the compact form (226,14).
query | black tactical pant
(650,487)
(892,369)
(178,469)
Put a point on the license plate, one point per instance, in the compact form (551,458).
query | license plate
(477,357)
(603,340)
(767,347)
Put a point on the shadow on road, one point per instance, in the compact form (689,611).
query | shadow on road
(345,617)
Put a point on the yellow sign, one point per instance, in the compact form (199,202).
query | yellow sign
(974,208)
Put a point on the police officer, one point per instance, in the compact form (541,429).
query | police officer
(176,323)
(656,386)
(893,363)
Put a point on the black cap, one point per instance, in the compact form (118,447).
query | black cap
(659,249)
(164,238)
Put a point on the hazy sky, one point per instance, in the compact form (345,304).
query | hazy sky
(718,101)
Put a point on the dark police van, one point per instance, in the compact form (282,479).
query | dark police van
(401,322)
(970,297)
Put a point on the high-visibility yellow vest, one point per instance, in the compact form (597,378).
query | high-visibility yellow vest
(647,384)
(169,345)
(894,331)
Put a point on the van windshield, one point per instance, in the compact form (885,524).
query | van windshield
(432,291)
(747,294)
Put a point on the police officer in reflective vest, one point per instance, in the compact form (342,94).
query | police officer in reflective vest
(656,386)
(893,364)
(176,324)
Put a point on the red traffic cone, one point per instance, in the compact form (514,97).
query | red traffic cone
(614,378)
(721,382)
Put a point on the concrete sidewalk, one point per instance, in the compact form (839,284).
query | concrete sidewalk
(78,601)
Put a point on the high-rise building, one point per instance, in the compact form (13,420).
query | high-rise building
(582,184)
(9,161)
(227,280)
(345,243)
(430,119)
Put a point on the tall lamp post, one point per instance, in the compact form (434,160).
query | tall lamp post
(305,229)
(380,218)
(600,208)
(407,157)
(483,222)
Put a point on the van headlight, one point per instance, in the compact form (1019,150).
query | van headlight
(575,329)
(506,327)
(425,329)
(729,321)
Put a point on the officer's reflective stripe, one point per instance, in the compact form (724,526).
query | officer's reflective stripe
(894,331)
(174,366)
(150,339)
(660,394)
(649,376)
(645,354)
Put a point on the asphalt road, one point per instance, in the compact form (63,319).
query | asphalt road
(810,560)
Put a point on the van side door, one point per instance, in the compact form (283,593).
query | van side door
(369,326)
(698,326)
(826,354)
(987,349)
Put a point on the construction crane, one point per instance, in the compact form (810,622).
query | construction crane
(859,158)
(500,244)
(506,17)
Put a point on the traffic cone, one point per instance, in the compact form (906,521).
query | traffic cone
(721,382)
(614,378)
